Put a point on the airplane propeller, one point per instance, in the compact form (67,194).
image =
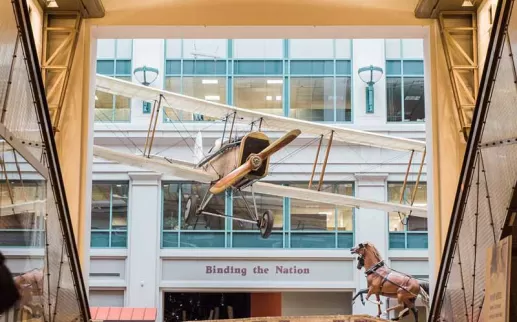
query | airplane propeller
(254,162)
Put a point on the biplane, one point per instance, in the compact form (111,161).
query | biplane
(240,162)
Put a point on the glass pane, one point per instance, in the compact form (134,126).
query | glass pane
(413,48)
(100,239)
(258,48)
(105,48)
(417,240)
(202,239)
(173,67)
(263,202)
(412,67)
(311,48)
(253,240)
(258,67)
(312,67)
(397,240)
(414,103)
(122,105)
(343,99)
(100,206)
(345,240)
(119,239)
(124,48)
(207,88)
(393,67)
(103,106)
(170,240)
(313,240)
(119,206)
(393,49)
(308,215)
(343,48)
(394,99)
(205,48)
(172,84)
(343,67)
(215,205)
(312,98)
(170,206)
(21,238)
(396,221)
(105,67)
(204,67)
(259,94)
(123,67)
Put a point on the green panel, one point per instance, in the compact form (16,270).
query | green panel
(119,239)
(397,240)
(313,240)
(170,239)
(204,67)
(417,240)
(253,240)
(343,67)
(413,67)
(393,67)
(258,67)
(312,67)
(345,240)
(105,67)
(123,67)
(202,239)
(100,239)
(173,67)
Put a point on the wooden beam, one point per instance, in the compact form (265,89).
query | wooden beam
(326,159)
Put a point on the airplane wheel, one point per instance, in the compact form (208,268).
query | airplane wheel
(266,224)
(190,209)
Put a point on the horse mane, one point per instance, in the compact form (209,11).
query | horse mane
(374,250)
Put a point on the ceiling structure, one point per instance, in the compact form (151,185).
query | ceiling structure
(431,8)
(87,8)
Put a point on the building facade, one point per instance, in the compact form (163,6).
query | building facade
(142,251)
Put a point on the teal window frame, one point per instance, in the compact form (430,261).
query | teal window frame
(37,241)
(110,231)
(229,233)
(232,71)
(406,234)
(115,73)
(403,75)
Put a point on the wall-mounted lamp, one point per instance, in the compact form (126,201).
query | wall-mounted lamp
(146,76)
(370,75)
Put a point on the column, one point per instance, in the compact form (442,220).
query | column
(370,225)
(144,240)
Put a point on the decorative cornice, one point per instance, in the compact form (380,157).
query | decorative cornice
(145,178)
(371,179)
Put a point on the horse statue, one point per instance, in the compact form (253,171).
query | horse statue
(387,282)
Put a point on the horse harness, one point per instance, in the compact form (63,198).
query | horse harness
(373,270)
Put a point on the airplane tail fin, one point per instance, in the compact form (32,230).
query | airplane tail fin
(198,148)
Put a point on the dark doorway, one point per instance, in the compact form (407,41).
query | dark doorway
(205,306)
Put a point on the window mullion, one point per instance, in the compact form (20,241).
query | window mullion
(180,215)
(111,216)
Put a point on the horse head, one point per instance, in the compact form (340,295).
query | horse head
(365,249)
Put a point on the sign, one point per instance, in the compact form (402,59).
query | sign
(239,270)
(496,307)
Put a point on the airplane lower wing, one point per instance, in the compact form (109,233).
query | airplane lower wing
(177,168)
(156,164)
(334,199)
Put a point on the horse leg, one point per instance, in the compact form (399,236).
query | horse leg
(370,294)
(400,305)
(413,308)
(379,312)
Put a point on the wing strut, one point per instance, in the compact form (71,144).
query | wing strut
(329,145)
(152,124)
(403,189)
(315,161)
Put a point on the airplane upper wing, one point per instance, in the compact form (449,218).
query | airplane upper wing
(179,169)
(272,122)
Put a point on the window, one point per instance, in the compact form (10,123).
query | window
(297,224)
(245,235)
(405,81)
(203,231)
(264,94)
(113,59)
(22,229)
(109,214)
(404,232)
(320,225)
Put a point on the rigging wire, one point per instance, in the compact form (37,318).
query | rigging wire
(120,131)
